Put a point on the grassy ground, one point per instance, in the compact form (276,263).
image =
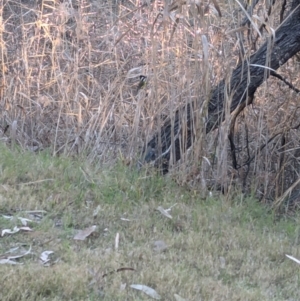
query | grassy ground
(217,249)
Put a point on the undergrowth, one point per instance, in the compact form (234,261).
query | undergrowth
(218,248)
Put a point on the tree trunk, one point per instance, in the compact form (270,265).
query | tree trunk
(245,80)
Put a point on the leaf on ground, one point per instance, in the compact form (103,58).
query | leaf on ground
(47,258)
(83,234)
(164,212)
(222,262)
(159,246)
(7,216)
(26,229)
(147,290)
(8,231)
(122,286)
(15,230)
(178,298)
(293,258)
(44,257)
(23,220)
(117,239)
(7,259)
(96,211)
(13,250)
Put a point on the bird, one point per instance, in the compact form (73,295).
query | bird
(142,83)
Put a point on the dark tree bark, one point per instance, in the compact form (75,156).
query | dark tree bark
(245,80)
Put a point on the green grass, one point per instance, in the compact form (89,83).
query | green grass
(218,248)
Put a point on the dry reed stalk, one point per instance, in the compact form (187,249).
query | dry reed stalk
(63,80)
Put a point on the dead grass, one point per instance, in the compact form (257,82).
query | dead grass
(218,248)
(69,73)
(70,70)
